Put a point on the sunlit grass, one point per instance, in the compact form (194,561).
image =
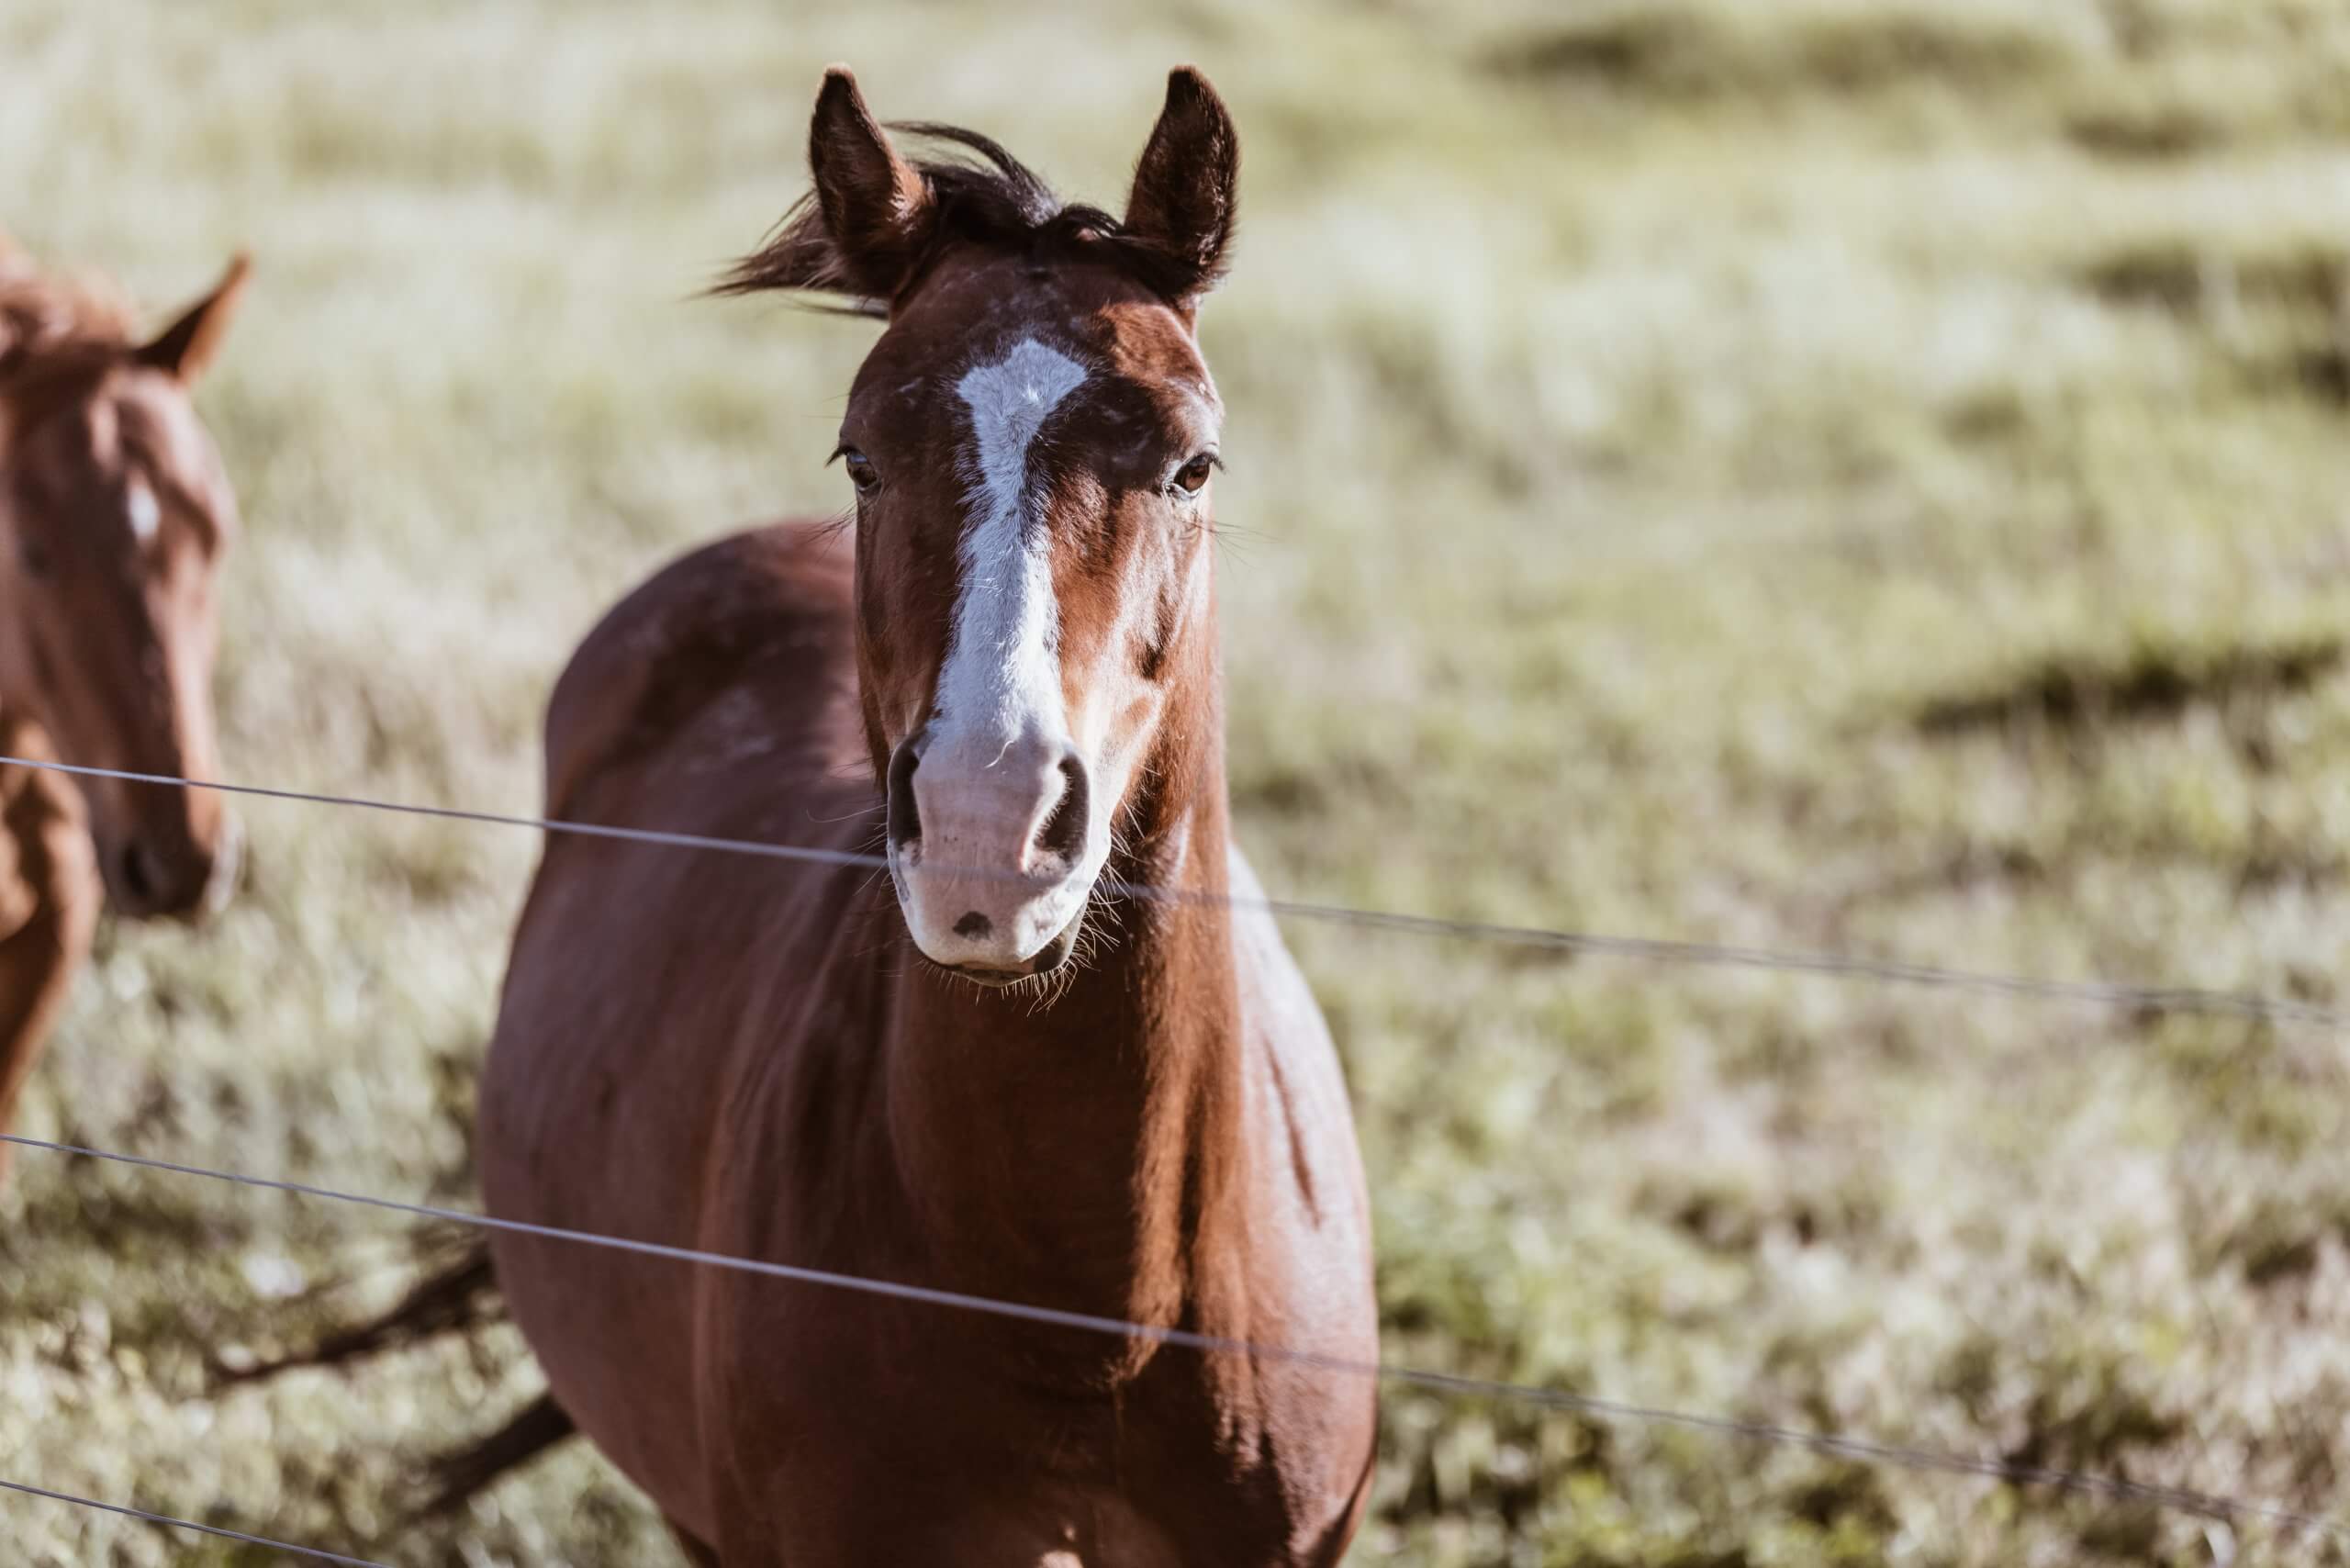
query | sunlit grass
(1817,475)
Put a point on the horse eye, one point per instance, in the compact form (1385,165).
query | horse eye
(33,558)
(861,472)
(1194,475)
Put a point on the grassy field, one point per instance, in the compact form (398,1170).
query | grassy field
(1819,474)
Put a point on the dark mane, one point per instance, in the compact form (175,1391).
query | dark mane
(992,199)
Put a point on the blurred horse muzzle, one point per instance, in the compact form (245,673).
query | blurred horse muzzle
(174,875)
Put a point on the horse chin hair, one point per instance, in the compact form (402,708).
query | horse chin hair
(1071,951)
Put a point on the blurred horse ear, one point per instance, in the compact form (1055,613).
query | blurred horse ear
(187,345)
(1185,187)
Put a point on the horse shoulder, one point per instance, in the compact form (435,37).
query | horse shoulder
(1298,1081)
(685,636)
(579,1014)
(1312,1288)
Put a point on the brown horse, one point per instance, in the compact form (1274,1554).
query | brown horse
(114,514)
(1016,1077)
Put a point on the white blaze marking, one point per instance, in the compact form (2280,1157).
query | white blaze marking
(1001,675)
(145,515)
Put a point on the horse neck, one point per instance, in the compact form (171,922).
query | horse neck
(1082,1153)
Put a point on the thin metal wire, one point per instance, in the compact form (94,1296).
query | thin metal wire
(2207,1504)
(2108,993)
(315,1553)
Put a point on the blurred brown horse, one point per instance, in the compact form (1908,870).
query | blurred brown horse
(113,513)
(996,1071)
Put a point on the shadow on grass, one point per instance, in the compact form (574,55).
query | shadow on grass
(2152,685)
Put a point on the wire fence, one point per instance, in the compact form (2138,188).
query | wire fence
(2135,997)
(1450,1384)
(142,1516)
(2128,995)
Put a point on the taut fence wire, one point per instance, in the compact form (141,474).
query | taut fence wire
(2133,996)
(167,1521)
(1612,1411)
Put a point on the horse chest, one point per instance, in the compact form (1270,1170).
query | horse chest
(863,1419)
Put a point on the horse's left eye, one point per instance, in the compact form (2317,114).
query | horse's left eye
(861,472)
(1193,476)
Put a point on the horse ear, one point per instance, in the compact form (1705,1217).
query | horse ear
(862,229)
(187,345)
(1186,185)
(876,205)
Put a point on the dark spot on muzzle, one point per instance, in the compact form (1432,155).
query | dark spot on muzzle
(1055,953)
(974,924)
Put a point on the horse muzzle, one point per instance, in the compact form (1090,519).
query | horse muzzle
(993,861)
(174,877)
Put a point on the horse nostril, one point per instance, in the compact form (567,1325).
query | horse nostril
(905,819)
(1064,831)
(139,875)
(974,925)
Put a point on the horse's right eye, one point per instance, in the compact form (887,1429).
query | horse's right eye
(1192,478)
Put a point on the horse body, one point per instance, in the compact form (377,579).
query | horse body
(846,1110)
(114,514)
(1033,1086)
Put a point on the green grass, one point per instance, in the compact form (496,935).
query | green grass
(1820,475)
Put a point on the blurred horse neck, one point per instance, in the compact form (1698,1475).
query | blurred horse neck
(27,789)
(49,903)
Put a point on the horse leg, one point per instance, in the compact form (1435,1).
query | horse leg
(37,962)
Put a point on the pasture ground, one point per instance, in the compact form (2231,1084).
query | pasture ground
(1821,474)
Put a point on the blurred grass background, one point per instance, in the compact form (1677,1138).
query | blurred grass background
(1821,474)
